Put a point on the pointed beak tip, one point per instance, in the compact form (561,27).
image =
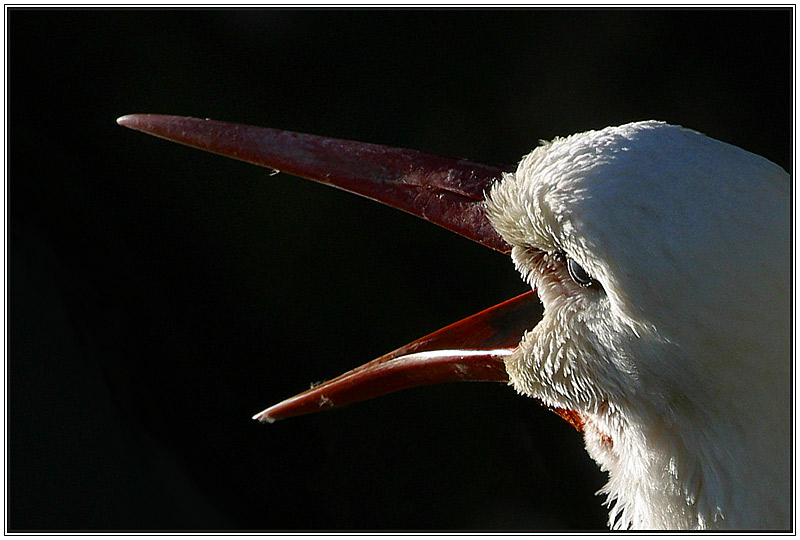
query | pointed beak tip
(264,417)
(127,120)
(140,122)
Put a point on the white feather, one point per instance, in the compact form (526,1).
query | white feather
(679,363)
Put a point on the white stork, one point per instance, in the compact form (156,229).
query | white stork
(663,259)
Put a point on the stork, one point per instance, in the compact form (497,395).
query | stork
(663,261)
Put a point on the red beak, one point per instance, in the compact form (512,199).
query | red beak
(446,191)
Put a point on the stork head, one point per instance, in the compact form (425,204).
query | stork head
(661,258)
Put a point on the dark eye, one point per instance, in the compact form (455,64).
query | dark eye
(578,274)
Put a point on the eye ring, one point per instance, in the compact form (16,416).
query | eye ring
(578,274)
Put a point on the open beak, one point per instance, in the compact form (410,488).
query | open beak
(446,191)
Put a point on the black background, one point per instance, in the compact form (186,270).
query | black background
(158,296)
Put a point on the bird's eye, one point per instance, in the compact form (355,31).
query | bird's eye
(578,274)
